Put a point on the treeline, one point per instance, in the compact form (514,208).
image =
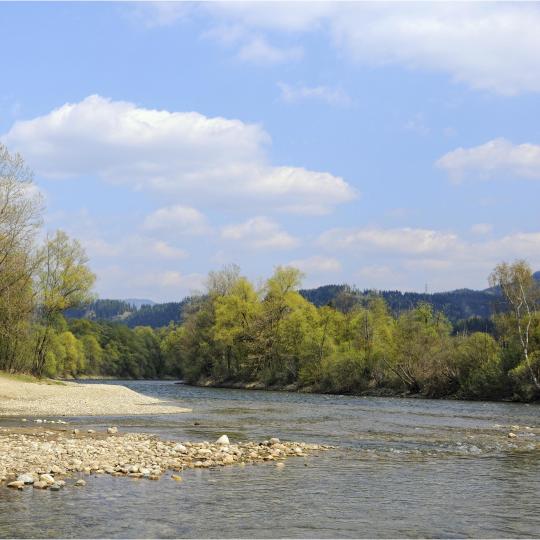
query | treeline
(457,305)
(274,336)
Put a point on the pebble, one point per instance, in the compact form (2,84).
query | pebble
(112,430)
(55,487)
(223,440)
(41,485)
(176,478)
(80,482)
(25,478)
(17,484)
(512,435)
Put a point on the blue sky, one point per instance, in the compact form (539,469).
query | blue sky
(384,145)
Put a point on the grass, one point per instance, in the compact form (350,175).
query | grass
(26,377)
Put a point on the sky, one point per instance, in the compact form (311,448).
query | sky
(384,145)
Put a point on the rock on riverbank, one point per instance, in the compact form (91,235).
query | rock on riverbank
(47,455)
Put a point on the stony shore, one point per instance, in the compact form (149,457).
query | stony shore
(19,398)
(48,458)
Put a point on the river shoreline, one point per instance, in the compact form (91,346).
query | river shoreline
(208,382)
(23,398)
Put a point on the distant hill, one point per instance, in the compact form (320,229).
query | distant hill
(139,302)
(154,315)
(458,305)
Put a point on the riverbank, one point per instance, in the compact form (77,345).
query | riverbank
(19,397)
(45,457)
(209,382)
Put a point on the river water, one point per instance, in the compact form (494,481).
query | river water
(403,468)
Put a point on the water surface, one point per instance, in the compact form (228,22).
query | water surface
(404,468)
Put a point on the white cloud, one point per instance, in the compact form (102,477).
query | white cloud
(493,159)
(417,125)
(487,45)
(331,96)
(400,240)
(317,264)
(259,51)
(177,219)
(158,14)
(260,233)
(129,248)
(481,228)
(165,250)
(181,154)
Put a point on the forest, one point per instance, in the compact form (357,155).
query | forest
(270,336)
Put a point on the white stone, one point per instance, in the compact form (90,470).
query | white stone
(223,440)
(25,478)
(47,478)
(111,430)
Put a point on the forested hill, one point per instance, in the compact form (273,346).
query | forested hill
(457,305)
(156,315)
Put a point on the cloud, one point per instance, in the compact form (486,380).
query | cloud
(129,248)
(180,154)
(481,228)
(158,14)
(177,219)
(487,45)
(259,51)
(325,94)
(317,264)
(493,159)
(260,233)
(400,240)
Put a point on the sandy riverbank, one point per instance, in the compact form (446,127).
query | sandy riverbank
(19,398)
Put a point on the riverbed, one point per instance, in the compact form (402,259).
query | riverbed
(403,468)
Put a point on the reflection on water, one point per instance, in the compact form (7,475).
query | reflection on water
(404,468)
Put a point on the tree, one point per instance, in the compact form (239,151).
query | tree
(521,293)
(20,218)
(64,282)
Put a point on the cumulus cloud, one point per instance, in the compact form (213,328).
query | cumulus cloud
(396,258)
(260,233)
(259,51)
(325,94)
(129,248)
(400,240)
(317,264)
(177,219)
(491,46)
(481,228)
(493,159)
(173,153)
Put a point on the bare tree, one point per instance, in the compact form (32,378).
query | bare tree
(20,219)
(520,291)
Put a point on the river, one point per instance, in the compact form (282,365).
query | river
(403,468)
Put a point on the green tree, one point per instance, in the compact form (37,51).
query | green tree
(64,282)
(521,293)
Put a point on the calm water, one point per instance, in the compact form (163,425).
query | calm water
(404,468)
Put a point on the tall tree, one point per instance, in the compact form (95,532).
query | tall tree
(521,293)
(20,218)
(64,281)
